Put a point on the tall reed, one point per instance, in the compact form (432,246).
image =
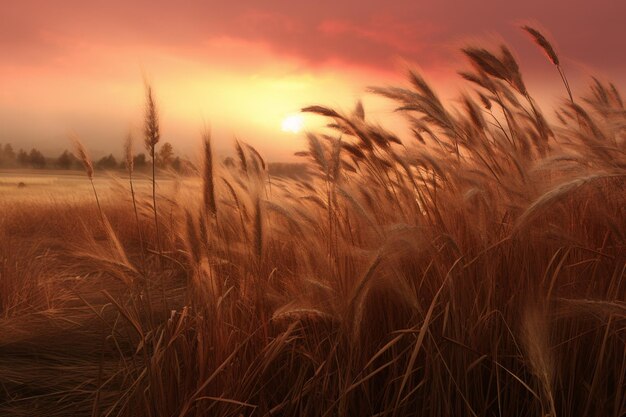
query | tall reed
(130,165)
(83,156)
(152,135)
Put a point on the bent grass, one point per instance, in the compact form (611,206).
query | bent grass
(472,268)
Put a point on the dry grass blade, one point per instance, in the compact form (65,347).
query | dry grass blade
(559,193)
(535,337)
(128,154)
(322,111)
(358,298)
(258,156)
(243,162)
(258,228)
(188,404)
(599,307)
(420,337)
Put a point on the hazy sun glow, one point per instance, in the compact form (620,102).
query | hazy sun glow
(293,123)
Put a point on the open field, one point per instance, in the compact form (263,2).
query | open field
(475,268)
(20,184)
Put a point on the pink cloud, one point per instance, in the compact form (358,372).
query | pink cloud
(396,35)
(357,32)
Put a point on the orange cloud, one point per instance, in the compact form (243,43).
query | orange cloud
(244,65)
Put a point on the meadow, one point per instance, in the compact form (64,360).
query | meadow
(473,268)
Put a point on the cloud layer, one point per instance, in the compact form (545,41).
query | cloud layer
(52,47)
(366,33)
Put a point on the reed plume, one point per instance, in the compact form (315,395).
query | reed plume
(546,46)
(85,159)
(152,136)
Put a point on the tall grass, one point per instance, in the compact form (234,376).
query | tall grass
(152,135)
(473,268)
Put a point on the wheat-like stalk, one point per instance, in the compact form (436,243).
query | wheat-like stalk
(152,136)
(208,180)
(128,153)
(546,46)
(83,156)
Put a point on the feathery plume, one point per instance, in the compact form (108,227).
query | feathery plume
(243,162)
(151,122)
(543,43)
(83,156)
(152,136)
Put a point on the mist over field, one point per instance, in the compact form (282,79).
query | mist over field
(462,253)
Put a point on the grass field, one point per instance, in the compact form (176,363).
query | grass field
(475,268)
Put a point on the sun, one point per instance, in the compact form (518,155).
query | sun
(293,123)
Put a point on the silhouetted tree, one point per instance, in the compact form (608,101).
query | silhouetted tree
(139,161)
(7,156)
(36,159)
(165,155)
(107,162)
(177,164)
(66,160)
(22,158)
(9,152)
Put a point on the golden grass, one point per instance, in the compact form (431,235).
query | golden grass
(476,268)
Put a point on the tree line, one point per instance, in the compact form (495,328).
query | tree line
(165,158)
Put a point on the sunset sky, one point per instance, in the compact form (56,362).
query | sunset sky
(243,67)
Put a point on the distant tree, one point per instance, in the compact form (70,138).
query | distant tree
(177,164)
(36,159)
(139,161)
(66,160)
(107,162)
(7,155)
(8,151)
(3,163)
(22,158)
(165,155)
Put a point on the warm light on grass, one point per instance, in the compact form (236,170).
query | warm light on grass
(468,267)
